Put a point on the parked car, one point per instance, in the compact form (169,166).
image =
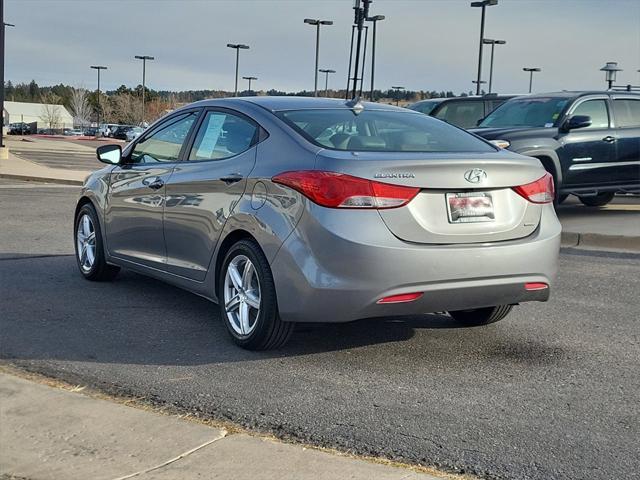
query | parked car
(120,132)
(133,133)
(90,131)
(249,203)
(588,141)
(19,128)
(463,112)
(73,131)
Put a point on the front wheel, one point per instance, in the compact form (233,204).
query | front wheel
(247,299)
(598,200)
(89,247)
(481,316)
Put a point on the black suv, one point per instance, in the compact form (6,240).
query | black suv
(463,112)
(588,141)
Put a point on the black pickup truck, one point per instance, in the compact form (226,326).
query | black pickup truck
(588,141)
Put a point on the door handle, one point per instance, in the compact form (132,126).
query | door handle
(153,183)
(231,178)
(609,139)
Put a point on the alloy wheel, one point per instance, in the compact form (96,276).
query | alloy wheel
(86,243)
(242,298)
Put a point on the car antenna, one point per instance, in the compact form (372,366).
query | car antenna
(355,105)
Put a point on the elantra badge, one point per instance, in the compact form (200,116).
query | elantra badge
(475,175)
(394,175)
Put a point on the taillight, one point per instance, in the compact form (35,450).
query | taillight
(402,298)
(339,190)
(540,191)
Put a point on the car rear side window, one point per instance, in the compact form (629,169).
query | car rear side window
(380,131)
(597,110)
(462,114)
(627,112)
(222,135)
(165,143)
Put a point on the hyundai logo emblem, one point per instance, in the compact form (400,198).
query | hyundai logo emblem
(475,175)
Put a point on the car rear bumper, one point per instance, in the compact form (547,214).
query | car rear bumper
(337,264)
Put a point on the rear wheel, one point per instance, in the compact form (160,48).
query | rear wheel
(481,316)
(247,299)
(598,200)
(89,247)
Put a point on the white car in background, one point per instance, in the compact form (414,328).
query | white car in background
(134,133)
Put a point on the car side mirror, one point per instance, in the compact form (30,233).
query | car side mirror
(576,121)
(111,154)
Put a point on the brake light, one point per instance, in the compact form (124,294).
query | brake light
(402,298)
(540,191)
(339,190)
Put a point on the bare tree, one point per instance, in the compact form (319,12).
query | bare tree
(79,105)
(51,111)
(126,108)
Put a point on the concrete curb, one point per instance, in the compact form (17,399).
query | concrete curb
(32,178)
(599,241)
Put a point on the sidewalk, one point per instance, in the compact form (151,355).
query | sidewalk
(53,433)
(18,169)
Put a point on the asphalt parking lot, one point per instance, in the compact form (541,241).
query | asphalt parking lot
(551,392)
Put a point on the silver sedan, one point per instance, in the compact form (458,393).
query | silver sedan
(285,210)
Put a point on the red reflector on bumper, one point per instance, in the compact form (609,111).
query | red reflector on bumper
(402,298)
(531,286)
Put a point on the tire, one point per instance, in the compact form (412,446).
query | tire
(250,327)
(481,316)
(98,269)
(598,200)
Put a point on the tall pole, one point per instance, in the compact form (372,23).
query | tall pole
(375,21)
(317,23)
(531,70)
(98,68)
(2,38)
(237,47)
(326,72)
(144,59)
(493,43)
(482,4)
(250,79)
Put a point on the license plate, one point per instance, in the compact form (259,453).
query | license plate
(469,207)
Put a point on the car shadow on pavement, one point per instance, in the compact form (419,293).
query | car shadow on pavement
(51,313)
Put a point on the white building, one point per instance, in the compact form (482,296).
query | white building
(39,113)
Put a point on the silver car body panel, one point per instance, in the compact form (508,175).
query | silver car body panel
(330,265)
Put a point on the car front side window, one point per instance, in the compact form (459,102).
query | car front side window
(164,144)
(222,135)
(597,110)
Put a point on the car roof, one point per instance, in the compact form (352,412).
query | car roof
(577,93)
(279,103)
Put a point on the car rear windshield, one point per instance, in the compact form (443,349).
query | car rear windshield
(380,131)
(426,106)
(526,112)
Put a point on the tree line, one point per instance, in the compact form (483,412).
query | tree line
(124,105)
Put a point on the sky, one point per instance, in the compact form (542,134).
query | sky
(422,44)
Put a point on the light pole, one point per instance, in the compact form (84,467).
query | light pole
(493,43)
(250,78)
(482,4)
(397,89)
(317,23)
(237,46)
(610,69)
(98,68)
(375,19)
(144,59)
(326,79)
(531,70)
(3,26)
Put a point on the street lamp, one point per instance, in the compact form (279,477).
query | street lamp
(250,78)
(375,19)
(144,59)
(3,26)
(326,79)
(237,46)
(317,23)
(493,43)
(531,70)
(98,68)
(483,4)
(610,69)
(398,89)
